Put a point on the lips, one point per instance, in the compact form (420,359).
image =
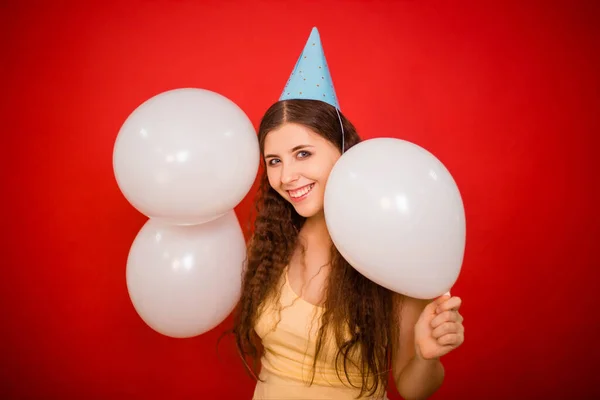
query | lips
(301,193)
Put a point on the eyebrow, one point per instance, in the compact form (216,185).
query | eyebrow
(299,147)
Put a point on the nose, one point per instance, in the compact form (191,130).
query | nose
(289,174)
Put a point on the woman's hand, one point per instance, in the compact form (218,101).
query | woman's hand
(439,328)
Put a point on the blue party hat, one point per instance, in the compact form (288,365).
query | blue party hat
(310,78)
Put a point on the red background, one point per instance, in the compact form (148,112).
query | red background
(505,94)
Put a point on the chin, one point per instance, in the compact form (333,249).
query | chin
(309,211)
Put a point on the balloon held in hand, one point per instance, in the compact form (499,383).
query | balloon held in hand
(395,213)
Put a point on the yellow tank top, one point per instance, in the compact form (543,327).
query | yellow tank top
(289,338)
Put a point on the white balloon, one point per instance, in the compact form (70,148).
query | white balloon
(395,214)
(185,280)
(186,156)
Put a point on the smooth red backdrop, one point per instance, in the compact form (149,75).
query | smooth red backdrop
(506,94)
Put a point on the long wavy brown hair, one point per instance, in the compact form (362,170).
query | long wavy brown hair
(352,302)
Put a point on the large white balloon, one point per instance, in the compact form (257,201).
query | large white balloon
(396,215)
(186,156)
(185,280)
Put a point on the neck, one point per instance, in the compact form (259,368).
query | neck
(314,231)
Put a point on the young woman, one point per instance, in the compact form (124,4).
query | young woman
(317,327)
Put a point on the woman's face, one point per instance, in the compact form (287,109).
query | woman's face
(298,163)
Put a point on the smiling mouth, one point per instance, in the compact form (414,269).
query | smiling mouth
(302,193)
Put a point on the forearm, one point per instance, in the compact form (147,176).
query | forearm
(420,378)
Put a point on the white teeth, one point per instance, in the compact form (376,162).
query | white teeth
(301,192)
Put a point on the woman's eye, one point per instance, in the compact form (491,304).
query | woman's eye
(303,154)
(273,161)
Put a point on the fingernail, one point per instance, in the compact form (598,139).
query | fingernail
(447,293)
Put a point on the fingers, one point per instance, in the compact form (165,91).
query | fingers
(444,329)
(431,307)
(451,339)
(447,324)
(449,304)
(442,299)
(446,316)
